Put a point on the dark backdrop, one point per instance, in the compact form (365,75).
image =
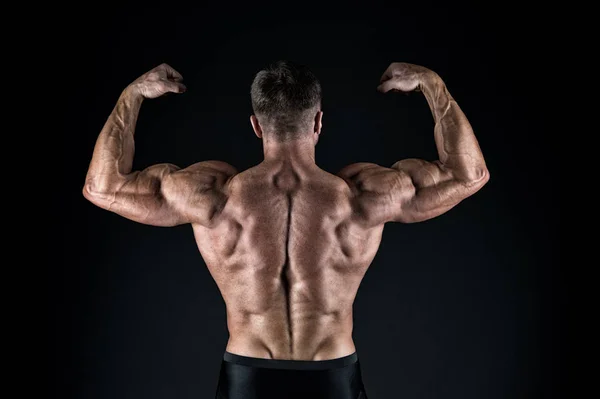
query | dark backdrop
(467,305)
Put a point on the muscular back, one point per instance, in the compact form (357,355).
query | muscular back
(288,252)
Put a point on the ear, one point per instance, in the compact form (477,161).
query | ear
(256,126)
(318,125)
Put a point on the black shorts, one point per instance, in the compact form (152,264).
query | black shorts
(243,377)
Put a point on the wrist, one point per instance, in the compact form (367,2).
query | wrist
(429,80)
(132,92)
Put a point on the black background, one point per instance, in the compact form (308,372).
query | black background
(467,305)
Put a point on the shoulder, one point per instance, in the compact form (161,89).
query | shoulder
(212,166)
(353,170)
(199,192)
(201,177)
(371,177)
(208,171)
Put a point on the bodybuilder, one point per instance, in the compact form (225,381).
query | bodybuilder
(286,242)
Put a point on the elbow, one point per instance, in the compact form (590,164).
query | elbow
(476,177)
(93,192)
(87,191)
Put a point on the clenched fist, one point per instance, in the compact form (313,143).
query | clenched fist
(404,77)
(158,81)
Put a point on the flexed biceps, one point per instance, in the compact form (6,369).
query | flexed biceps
(414,190)
(162,194)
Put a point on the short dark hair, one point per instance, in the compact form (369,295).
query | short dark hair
(285,97)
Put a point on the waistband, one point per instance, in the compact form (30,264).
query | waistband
(291,364)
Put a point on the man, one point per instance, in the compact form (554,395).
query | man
(287,242)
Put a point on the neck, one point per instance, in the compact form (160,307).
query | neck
(299,152)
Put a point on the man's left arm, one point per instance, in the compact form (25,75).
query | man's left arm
(161,195)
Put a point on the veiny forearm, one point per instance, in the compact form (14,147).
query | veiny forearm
(456,143)
(113,154)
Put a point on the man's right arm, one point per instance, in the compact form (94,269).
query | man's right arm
(413,190)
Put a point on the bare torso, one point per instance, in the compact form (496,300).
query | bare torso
(286,242)
(288,254)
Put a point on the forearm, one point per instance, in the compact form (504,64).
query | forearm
(113,154)
(456,143)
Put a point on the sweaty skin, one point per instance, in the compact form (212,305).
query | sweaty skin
(286,242)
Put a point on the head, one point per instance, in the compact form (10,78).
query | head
(286,99)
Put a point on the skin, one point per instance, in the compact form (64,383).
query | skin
(286,242)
